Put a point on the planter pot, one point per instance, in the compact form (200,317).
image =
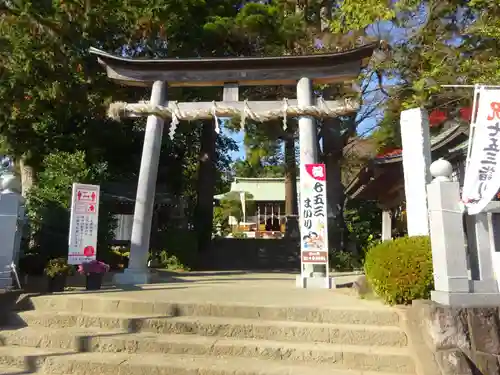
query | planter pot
(94,281)
(57,283)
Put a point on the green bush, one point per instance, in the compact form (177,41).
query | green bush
(48,205)
(239,234)
(178,243)
(171,262)
(231,205)
(58,266)
(342,261)
(400,271)
(220,227)
(117,257)
(32,264)
(362,219)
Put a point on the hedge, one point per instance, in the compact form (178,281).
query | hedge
(400,271)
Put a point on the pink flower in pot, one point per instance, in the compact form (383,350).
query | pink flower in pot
(94,266)
(94,272)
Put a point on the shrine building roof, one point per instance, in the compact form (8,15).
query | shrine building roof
(381,179)
(261,189)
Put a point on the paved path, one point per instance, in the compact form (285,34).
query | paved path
(259,289)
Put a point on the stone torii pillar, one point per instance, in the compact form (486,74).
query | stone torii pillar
(308,142)
(415,139)
(137,271)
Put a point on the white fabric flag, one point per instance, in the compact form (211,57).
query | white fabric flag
(243,205)
(482,173)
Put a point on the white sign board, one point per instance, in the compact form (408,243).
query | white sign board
(313,216)
(83,224)
(482,173)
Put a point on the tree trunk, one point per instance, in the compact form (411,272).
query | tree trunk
(206,187)
(333,144)
(291,206)
(27,173)
(27,176)
(291,202)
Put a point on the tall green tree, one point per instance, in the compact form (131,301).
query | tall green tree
(292,27)
(54,94)
(243,168)
(433,43)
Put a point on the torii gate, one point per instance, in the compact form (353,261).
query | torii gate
(229,73)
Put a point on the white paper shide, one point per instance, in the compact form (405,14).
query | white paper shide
(83,224)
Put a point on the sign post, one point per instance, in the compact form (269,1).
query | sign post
(83,224)
(313,228)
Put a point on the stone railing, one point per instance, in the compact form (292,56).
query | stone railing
(463,275)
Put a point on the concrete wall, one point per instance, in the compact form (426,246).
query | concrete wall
(454,341)
(252,254)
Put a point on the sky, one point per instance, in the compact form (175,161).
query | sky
(365,127)
(238,138)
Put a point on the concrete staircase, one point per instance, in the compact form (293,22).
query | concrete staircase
(87,335)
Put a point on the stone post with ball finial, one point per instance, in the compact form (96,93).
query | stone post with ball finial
(452,284)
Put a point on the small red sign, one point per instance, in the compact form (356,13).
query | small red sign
(89,251)
(314,256)
(316,171)
(86,196)
(495,108)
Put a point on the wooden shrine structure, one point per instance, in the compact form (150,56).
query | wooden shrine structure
(382,178)
(229,74)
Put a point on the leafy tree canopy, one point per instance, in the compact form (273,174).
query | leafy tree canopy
(431,43)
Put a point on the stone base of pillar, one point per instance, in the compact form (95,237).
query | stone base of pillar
(483,286)
(133,276)
(456,299)
(313,270)
(321,282)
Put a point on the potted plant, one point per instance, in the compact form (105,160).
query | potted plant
(57,270)
(94,272)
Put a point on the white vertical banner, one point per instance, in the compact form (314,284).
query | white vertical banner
(82,246)
(313,215)
(482,172)
(243,205)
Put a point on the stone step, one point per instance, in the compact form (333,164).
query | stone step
(25,358)
(90,303)
(8,370)
(57,362)
(346,334)
(397,360)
